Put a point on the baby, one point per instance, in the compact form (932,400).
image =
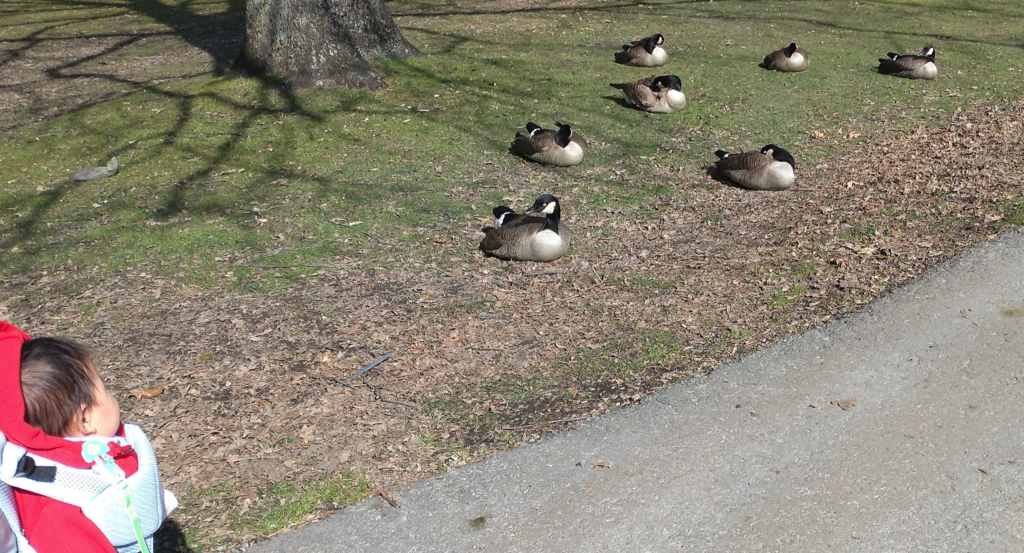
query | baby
(81,440)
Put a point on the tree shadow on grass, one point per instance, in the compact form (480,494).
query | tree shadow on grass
(94,61)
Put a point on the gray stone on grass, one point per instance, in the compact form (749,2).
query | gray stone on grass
(93,173)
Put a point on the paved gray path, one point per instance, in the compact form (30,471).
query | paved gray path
(931,458)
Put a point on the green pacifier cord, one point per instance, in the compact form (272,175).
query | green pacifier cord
(99,452)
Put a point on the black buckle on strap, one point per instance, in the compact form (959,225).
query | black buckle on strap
(27,468)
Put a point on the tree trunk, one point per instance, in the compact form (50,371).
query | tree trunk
(320,42)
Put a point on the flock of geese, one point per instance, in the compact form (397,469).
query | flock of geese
(538,235)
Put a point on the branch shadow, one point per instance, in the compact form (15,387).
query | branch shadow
(219,35)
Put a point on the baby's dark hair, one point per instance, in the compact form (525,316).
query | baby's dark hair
(56,381)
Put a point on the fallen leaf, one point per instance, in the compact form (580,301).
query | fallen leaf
(845,404)
(148,393)
(603,465)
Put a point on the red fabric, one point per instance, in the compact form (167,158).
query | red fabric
(52,526)
(55,527)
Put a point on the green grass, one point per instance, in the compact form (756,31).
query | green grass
(805,269)
(786,297)
(737,333)
(662,347)
(856,233)
(1013,210)
(405,161)
(283,504)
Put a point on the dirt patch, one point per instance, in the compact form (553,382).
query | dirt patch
(487,354)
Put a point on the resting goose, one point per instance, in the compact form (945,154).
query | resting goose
(535,235)
(790,59)
(920,66)
(561,148)
(771,168)
(647,52)
(656,94)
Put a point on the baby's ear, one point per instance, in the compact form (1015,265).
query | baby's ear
(83,424)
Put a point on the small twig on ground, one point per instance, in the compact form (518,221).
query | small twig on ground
(574,296)
(402,403)
(367,368)
(552,272)
(557,421)
(342,225)
(205,182)
(313,265)
(172,419)
(387,498)
(380,397)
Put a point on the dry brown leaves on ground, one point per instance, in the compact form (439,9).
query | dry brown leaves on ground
(488,354)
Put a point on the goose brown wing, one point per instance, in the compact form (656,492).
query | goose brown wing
(747,161)
(528,146)
(511,232)
(648,82)
(629,54)
(900,64)
(639,93)
(774,57)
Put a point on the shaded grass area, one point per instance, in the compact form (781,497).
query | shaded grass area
(247,189)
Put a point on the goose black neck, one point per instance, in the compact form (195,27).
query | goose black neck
(551,221)
(649,44)
(562,136)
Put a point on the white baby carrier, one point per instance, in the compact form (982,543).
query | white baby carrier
(127,510)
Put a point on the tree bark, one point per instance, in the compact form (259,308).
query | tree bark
(320,42)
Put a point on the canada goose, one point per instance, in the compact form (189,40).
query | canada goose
(562,148)
(656,94)
(910,66)
(643,53)
(928,50)
(790,59)
(771,168)
(526,237)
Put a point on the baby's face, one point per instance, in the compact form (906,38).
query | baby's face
(106,414)
(101,419)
